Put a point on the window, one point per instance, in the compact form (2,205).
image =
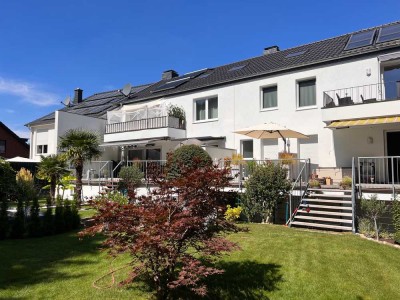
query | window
(307,93)
(247,148)
(270,97)
(144,154)
(2,146)
(206,109)
(41,149)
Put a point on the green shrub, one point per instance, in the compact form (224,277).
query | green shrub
(115,197)
(346,182)
(314,183)
(373,209)
(187,156)
(176,112)
(48,222)
(365,227)
(396,219)
(18,224)
(232,213)
(34,228)
(130,178)
(59,222)
(7,188)
(264,189)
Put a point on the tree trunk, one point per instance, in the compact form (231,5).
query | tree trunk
(79,170)
(53,184)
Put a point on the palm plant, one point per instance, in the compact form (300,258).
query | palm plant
(80,146)
(52,168)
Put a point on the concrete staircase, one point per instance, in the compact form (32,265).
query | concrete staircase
(327,209)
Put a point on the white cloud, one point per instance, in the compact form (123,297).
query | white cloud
(23,133)
(28,92)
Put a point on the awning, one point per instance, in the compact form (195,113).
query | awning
(363,122)
(129,143)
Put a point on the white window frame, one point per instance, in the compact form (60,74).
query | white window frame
(206,113)
(298,81)
(241,148)
(262,97)
(42,149)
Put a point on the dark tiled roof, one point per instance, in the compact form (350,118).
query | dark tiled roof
(320,52)
(93,106)
(314,53)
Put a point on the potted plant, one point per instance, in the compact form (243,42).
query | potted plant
(346,183)
(328,180)
(177,112)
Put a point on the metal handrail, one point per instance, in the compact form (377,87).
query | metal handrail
(353,193)
(379,170)
(298,179)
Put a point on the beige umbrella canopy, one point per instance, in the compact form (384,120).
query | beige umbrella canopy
(190,142)
(271,131)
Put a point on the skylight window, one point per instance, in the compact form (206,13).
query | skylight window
(294,54)
(389,33)
(361,39)
(236,68)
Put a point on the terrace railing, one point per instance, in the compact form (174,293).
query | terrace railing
(149,168)
(362,94)
(298,191)
(381,170)
(150,123)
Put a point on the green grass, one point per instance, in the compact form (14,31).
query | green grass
(275,263)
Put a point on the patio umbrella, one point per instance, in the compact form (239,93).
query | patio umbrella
(190,142)
(271,131)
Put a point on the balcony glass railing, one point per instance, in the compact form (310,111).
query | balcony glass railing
(150,123)
(362,94)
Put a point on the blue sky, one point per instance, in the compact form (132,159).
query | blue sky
(48,48)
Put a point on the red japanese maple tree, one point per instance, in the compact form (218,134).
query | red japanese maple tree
(175,234)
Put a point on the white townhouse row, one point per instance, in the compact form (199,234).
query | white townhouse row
(342,92)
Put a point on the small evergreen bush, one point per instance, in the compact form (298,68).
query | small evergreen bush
(373,209)
(396,220)
(130,178)
(266,187)
(7,189)
(187,156)
(48,222)
(59,222)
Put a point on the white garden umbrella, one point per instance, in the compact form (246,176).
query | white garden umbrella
(190,142)
(271,131)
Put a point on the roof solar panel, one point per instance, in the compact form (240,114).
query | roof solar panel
(171,84)
(389,33)
(294,54)
(361,39)
(236,68)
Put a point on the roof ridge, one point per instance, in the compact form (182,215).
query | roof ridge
(312,43)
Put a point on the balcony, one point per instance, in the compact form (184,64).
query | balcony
(157,127)
(348,103)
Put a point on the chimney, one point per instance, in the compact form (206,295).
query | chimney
(169,74)
(270,50)
(78,95)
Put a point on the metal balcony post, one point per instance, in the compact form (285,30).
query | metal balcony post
(393,187)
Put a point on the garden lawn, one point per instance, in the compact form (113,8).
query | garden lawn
(275,263)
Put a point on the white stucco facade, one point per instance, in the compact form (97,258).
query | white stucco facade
(239,106)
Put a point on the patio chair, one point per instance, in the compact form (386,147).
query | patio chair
(344,101)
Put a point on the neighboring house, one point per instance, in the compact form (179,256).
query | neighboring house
(11,145)
(342,92)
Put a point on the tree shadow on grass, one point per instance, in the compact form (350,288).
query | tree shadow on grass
(38,260)
(245,280)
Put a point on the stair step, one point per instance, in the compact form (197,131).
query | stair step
(326,206)
(323,219)
(329,190)
(316,225)
(330,196)
(329,213)
(327,201)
